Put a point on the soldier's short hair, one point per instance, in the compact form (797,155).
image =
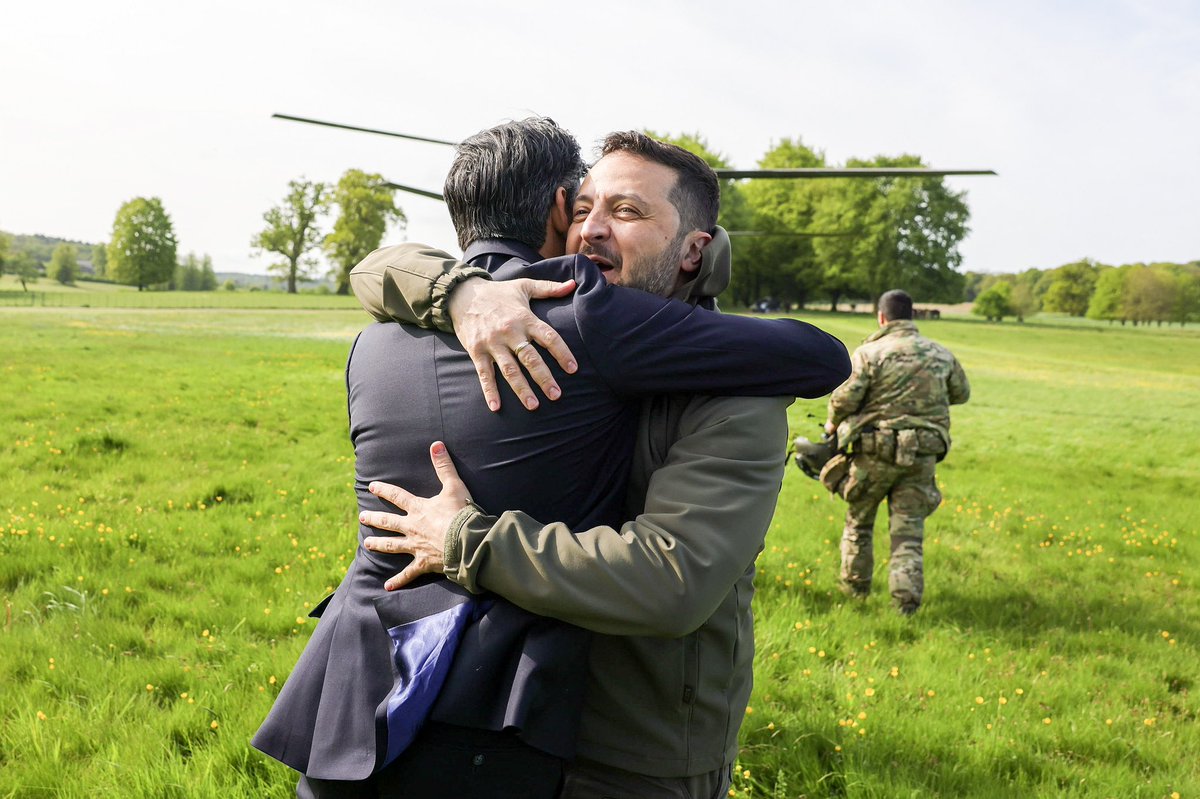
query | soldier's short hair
(696,194)
(895,304)
(503,180)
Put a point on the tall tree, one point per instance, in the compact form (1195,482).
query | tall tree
(994,303)
(208,278)
(1149,294)
(1106,299)
(25,267)
(1070,288)
(777,259)
(5,242)
(141,251)
(365,208)
(99,260)
(64,264)
(187,275)
(907,232)
(292,231)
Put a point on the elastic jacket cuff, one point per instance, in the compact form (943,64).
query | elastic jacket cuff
(439,300)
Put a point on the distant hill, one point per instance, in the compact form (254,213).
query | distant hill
(42,247)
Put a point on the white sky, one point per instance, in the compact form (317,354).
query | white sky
(1090,111)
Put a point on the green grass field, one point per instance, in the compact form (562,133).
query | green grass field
(46,293)
(175,493)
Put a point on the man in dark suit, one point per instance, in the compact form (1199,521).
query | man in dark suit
(502,710)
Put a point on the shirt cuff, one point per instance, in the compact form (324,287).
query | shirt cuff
(439,304)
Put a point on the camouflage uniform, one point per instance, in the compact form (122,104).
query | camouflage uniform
(893,416)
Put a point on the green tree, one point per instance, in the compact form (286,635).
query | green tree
(25,267)
(142,249)
(1106,300)
(5,243)
(906,234)
(776,257)
(1187,293)
(292,231)
(1070,288)
(1149,294)
(99,260)
(995,303)
(365,208)
(187,274)
(64,264)
(208,278)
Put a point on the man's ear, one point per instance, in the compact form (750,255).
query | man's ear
(560,214)
(693,250)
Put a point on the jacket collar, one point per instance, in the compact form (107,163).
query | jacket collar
(897,326)
(505,248)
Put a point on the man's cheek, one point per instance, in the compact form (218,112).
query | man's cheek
(574,239)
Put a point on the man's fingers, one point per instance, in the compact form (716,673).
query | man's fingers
(406,576)
(514,375)
(543,289)
(529,357)
(546,336)
(387,544)
(485,368)
(392,522)
(393,494)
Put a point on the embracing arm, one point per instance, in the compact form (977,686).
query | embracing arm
(410,283)
(664,573)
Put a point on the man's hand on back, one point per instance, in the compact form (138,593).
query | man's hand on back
(422,531)
(493,321)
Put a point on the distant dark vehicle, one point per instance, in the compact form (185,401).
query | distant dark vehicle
(767,305)
(926,313)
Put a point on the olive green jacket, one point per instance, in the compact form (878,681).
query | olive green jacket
(667,593)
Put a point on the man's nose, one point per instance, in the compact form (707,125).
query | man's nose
(595,226)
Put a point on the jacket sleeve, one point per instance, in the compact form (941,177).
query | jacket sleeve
(848,397)
(707,511)
(410,283)
(644,344)
(957,388)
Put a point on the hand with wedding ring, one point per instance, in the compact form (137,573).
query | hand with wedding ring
(493,321)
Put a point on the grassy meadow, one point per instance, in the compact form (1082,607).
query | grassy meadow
(175,494)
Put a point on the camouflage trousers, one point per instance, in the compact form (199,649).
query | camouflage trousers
(911,493)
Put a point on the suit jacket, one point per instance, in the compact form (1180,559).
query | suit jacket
(569,461)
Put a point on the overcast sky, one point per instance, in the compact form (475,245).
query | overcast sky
(1089,111)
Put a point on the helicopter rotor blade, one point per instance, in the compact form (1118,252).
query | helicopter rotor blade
(433,195)
(847,172)
(760,234)
(323,123)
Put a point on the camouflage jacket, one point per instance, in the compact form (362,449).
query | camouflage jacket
(901,380)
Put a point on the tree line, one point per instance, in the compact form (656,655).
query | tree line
(1138,293)
(801,241)
(143,249)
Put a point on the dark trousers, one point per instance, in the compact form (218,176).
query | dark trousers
(455,762)
(587,780)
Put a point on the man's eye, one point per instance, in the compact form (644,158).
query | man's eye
(626,211)
(581,213)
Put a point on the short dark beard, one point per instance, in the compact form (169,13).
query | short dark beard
(661,273)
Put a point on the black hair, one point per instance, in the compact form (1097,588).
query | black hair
(895,304)
(696,194)
(503,180)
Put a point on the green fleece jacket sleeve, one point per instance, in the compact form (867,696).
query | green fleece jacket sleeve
(707,510)
(410,283)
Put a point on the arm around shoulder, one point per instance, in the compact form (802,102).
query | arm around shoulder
(410,283)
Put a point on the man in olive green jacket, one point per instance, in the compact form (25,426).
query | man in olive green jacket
(669,592)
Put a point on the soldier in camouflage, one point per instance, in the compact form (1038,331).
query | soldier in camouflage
(892,415)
